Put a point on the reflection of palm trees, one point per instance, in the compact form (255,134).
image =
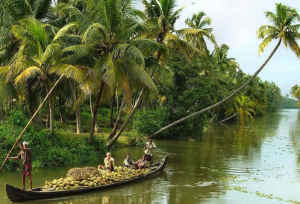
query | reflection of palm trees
(243,106)
(294,133)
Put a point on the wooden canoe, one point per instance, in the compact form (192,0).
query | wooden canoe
(18,195)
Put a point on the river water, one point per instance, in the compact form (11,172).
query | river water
(255,163)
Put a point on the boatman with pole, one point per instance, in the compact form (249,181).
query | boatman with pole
(149,146)
(26,158)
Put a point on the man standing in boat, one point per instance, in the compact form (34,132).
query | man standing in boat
(149,146)
(26,158)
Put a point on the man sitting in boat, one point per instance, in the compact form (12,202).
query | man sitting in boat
(141,163)
(149,146)
(109,162)
(26,158)
(128,162)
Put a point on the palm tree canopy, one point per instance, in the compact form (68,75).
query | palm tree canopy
(197,30)
(283,27)
(165,11)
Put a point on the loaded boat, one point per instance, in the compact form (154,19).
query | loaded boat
(18,195)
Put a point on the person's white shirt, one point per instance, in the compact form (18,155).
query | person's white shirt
(148,147)
(106,162)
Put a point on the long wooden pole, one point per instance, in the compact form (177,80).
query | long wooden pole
(36,112)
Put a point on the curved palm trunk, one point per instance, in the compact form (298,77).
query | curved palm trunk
(95,112)
(115,128)
(134,109)
(223,100)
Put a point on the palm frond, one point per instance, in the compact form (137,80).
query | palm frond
(64,30)
(30,72)
(70,71)
(265,43)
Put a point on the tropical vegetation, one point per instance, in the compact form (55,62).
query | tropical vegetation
(128,71)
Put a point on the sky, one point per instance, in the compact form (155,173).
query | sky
(235,23)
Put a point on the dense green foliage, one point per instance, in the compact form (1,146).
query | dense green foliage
(288,103)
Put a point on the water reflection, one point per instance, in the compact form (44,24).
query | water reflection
(254,163)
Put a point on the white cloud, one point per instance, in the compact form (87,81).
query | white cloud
(235,23)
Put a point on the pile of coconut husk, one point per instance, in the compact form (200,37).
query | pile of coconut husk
(89,177)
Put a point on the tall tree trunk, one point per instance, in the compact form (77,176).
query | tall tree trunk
(78,119)
(78,112)
(95,112)
(223,100)
(7,109)
(117,102)
(60,108)
(11,102)
(40,114)
(112,110)
(51,110)
(31,99)
(47,120)
(115,128)
(137,103)
(92,113)
(1,111)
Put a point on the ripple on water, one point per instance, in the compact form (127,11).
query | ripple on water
(205,183)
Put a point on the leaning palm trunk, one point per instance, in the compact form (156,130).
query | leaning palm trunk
(115,128)
(223,100)
(95,112)
(134,109)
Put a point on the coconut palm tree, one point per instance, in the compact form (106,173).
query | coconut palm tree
(244,107)
(198,24)
(283,29)
(295,92)
(112,44)
(11,11)
(41,56)
(161,18)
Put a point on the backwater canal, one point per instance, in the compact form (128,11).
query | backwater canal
(255,163)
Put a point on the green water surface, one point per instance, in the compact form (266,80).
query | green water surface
(258,163)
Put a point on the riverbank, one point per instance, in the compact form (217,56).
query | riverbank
(64,148)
